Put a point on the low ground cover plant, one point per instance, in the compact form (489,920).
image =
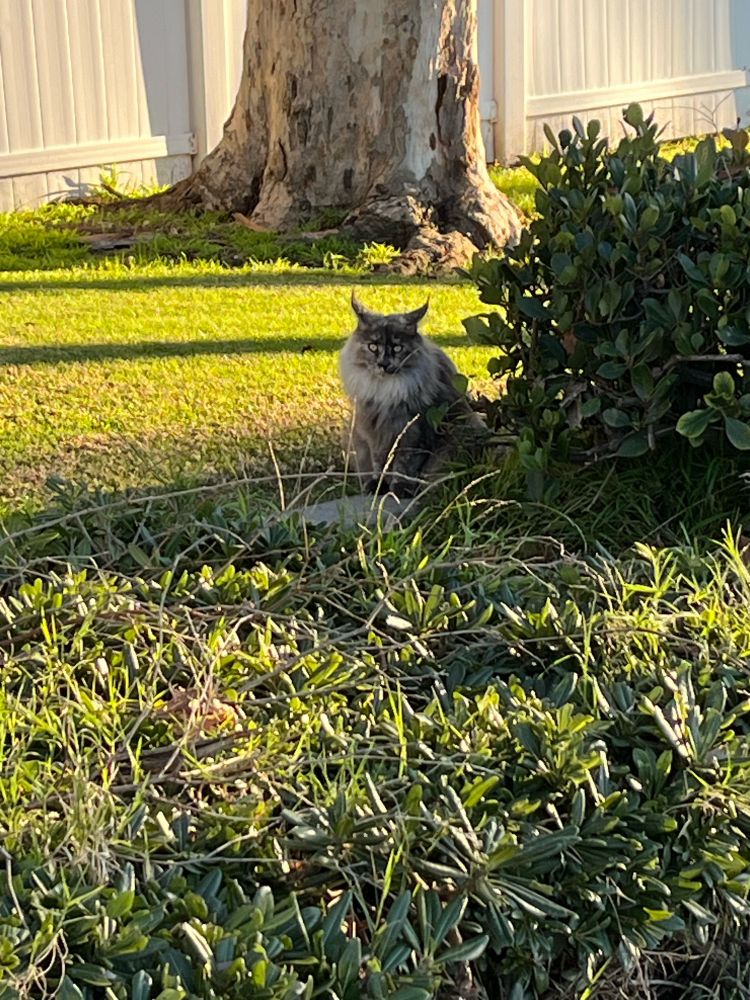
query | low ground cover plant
(58,235)
(245,757)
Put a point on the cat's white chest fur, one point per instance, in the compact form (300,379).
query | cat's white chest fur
(366,387)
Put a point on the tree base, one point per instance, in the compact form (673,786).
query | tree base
(433,252)
(371,109)
(435,236)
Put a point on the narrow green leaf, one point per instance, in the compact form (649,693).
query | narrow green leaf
(335,917)
(394,922)
(140,986)
(549,845)
(94,975)
(534,902)
(67,990)
(467,951)
(477,792)
(120,904)
(449,918)
(350,961)
(197,944)
(395,957)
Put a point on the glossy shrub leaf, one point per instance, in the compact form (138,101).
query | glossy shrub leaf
(695,423)
(611,369)
(67,990)
(533,307)
(738,433)
(633,446)
(616,418)
(691,269)
(628,287)
(724,385)
(478,330)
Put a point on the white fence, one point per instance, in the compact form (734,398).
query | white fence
(142,84)
(550,59)
(147,84)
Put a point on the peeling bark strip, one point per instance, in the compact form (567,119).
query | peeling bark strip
(369,107)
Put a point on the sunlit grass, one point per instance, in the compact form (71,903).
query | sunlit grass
(130,377)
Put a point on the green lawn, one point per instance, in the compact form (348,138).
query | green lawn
(134,377)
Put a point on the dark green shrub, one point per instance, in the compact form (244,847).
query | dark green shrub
(624,312)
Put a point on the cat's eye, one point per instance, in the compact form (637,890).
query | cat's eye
(397,348)
(373,347)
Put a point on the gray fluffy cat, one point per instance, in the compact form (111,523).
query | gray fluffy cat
(394,376)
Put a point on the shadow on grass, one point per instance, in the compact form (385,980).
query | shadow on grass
(70,353)
(677,498)
(207,516)
(139,282)
(194,520)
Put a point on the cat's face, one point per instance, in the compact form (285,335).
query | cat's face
(387,344)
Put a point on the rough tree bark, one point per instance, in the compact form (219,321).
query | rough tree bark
(365,106)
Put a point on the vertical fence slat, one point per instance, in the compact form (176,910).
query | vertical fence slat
(119,68)
(4,111)
(53,72)
(87,68)
(511,79)
(178,88)
(18,56)
(485,56)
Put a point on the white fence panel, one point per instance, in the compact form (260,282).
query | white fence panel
(684,59)
(218,29)
(89,83)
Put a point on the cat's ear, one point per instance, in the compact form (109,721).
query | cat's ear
(363,313)
(414,317)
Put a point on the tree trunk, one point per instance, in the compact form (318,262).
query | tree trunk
(367,107)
